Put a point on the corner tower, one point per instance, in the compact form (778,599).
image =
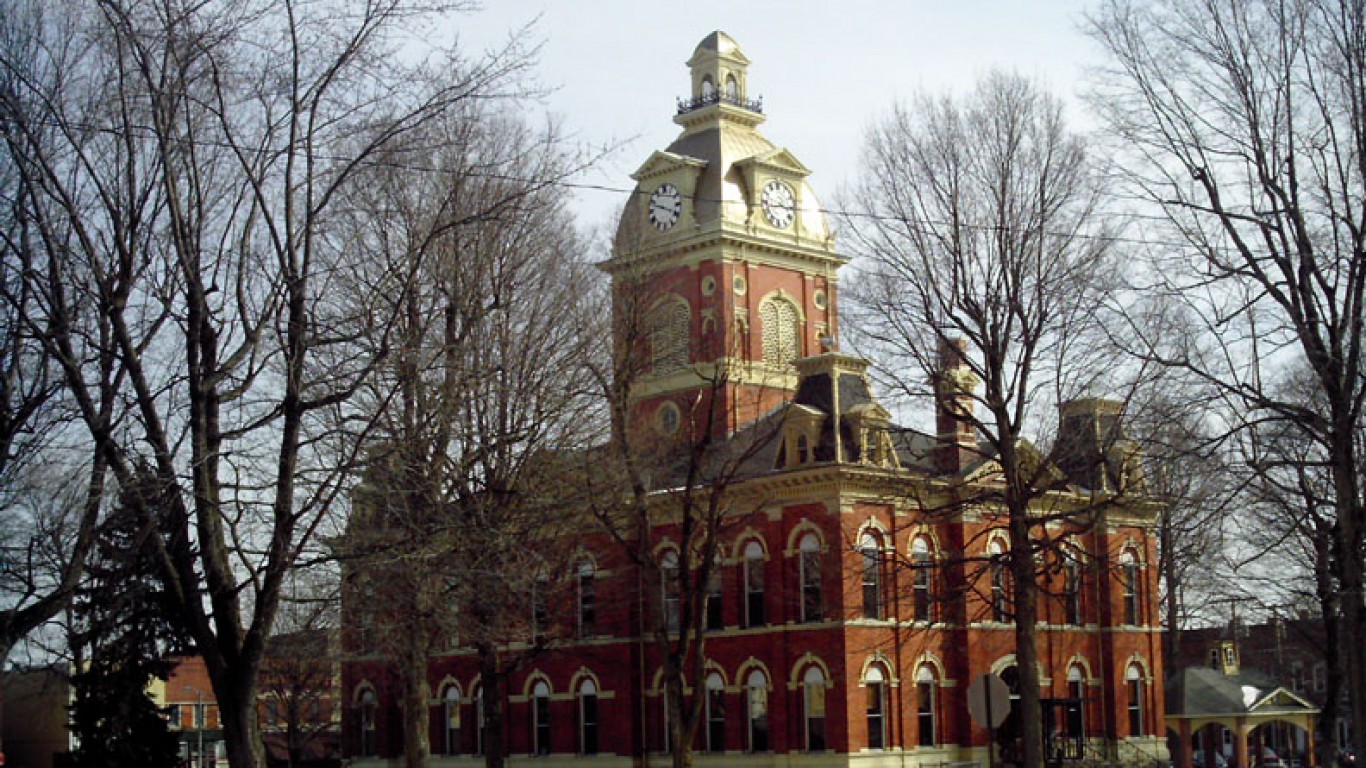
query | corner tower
(724,265)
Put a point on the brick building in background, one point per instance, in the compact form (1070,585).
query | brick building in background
(847,623)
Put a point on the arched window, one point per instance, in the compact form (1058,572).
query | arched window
(926,705)
(587,600)
(754,584)
(871,550)
(708,87)
(588,718)
(1133,683)
(809,562)
(477,701)
(1000,599)
(756,690)
(716,713)
(1128,582)
(450,719)
(875,683)
(668,576)
(813,701)
(368,706)
(716,604)
(922,565)
(670,332)
(781,331)
(540,718)
(1076,708)
(732,88)
(1071,591)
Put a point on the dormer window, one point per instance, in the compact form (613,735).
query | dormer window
(803,449)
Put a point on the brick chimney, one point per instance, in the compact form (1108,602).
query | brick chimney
(954,387)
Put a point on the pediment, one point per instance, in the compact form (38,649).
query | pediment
(1281,699)
(778,161)
(871,412)
(660,163)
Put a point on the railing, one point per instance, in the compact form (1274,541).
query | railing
(717,97)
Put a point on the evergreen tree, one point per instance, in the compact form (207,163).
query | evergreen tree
(122,641)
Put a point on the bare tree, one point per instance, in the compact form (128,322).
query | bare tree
(1244,125)
(1188,473)
(182,163)
(48,509)
(464,516)
(986,265)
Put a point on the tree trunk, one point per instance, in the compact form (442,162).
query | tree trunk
(1328,598)
(1350,569)
(236,698)
(492,703)
(417,692)
(1026,618)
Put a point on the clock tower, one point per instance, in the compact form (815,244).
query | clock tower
(723,266)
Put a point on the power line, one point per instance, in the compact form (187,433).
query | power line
(564,182)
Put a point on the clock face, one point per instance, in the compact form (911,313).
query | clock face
(665,205)
(779,204)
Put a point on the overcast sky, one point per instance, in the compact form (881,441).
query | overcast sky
(825,70)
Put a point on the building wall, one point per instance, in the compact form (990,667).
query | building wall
(961,644)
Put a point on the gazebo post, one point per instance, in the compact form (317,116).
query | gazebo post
(1183,743)
(1240,751)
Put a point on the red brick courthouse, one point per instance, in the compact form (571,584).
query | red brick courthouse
(823,652)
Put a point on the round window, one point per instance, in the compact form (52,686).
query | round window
(819,299)
(740,285)
(708,285)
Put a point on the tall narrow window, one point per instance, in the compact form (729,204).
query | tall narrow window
(871,550)
(588,718)
(1133,681)
(754,585)
(477,701)
(540,607)
(756,689)
(716,713)
(732,90)
(1128,576)
(587,601)
(450,720)
(781,331)
(1071,595)
(876,709)
(810,566)
(922,570)
(716,615)
(813,700)
(668,575)
(1000,606)
(540,718)
(1076,709)
(926,706)
(367,723)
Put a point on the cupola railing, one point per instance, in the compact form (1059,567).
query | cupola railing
(717,97)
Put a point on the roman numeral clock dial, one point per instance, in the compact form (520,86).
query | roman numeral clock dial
(779,204)
(665,206)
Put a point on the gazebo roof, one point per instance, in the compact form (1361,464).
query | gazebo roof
(1205,693)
